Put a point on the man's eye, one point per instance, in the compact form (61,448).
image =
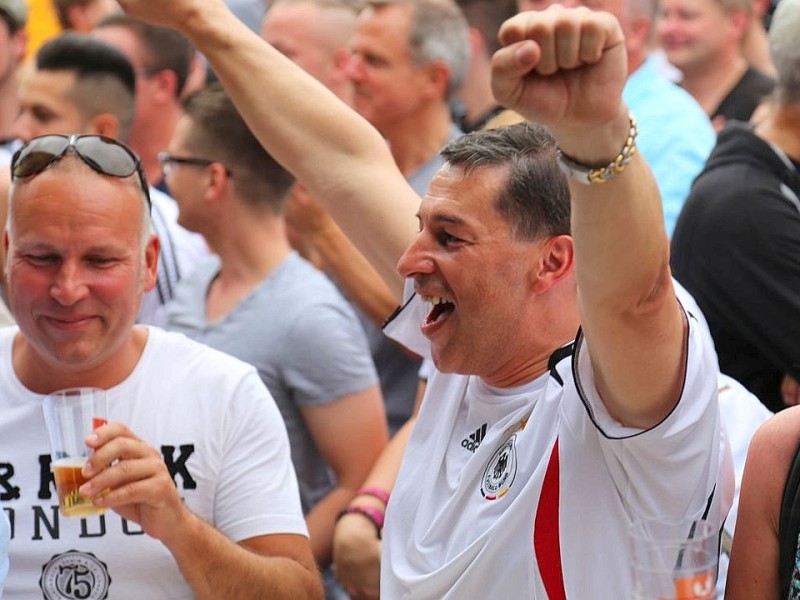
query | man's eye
(447,239)
(100,261)
(41,259)
(41,115)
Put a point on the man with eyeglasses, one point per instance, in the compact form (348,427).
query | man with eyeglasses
(260,301)
(194,464)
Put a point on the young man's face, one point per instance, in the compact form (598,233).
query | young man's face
(46,105)
(186,182)
(76,266)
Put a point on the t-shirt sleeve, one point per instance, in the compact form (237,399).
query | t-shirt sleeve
(327,356)
(257,492)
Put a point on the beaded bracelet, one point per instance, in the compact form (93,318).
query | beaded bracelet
(375,492)
(370,512)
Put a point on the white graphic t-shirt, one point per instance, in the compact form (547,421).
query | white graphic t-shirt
(223,441)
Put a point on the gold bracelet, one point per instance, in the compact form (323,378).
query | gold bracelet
(588,175)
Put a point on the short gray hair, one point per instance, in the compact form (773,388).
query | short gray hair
(785,50)
(439,31)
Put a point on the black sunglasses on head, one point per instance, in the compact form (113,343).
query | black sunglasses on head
(105,155)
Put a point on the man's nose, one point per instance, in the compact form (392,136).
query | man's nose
(417,259)
(354,67)
(69,285)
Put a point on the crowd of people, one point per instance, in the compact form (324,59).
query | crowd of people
(415,299)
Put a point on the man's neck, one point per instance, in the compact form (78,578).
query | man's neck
(782,128)
(710,82)
(249,250)
(413,142)
(43,377)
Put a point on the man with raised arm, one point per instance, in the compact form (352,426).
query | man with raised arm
(624,415)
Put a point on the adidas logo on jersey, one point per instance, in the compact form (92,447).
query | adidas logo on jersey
(473,440)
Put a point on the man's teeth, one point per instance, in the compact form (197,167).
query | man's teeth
(434,300)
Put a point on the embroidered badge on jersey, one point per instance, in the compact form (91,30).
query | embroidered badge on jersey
(75,575)
(501,470)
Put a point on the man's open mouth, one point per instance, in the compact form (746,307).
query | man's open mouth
(441,308)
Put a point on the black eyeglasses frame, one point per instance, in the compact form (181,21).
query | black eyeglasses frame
(165,158)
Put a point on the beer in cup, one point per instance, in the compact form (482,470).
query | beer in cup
(70,416)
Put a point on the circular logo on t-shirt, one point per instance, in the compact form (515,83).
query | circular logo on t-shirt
(75,575)
(500,471)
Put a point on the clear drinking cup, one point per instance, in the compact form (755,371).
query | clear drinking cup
(70,416)
(674,560)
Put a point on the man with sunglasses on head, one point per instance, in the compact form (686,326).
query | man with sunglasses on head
(83,85)
(194,465)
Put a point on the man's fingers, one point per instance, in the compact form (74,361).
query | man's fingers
(568,39)
(128,481)
(510,65)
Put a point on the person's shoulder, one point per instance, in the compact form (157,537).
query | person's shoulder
(306,285)
(169,347)
(778,437)
(755,81)
(741,166)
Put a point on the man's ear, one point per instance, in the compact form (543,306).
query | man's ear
(166,81)
(555,262)
(151,252)
(436,78)
(104,124)
(740,21)
(217,180)
(477,45)
(19,45)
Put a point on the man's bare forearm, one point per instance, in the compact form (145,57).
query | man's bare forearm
(334,152)
(215,567)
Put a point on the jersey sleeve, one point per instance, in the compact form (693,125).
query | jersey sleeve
(682,466)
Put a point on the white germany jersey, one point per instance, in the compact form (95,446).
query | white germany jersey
(527,492)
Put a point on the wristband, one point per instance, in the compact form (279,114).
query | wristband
(375,492)
(587,175)
(373,514)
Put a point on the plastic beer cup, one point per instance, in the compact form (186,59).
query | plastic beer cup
(70,416)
